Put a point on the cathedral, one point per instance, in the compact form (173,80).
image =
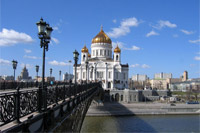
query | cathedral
(103,65)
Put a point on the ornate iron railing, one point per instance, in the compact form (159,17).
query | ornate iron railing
(17,104)
(4,85)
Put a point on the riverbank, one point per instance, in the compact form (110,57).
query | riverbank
(119,109)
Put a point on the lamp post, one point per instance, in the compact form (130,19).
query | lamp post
(59,75)
(76,54)
(37,70)
(44,34)
(51,72)
(86,67)
(14,63)
(69,70)
(92,73)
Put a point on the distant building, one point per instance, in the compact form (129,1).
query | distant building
(162,75)
(190,84)
(130,96)
(185,76)
(24,75)
(7,78)
(67,76)
(46,79)
(139,77)
(160,84)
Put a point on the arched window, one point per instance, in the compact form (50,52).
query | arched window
(117,57)
(83,57)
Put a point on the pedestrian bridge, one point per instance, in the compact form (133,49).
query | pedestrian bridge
(66,105)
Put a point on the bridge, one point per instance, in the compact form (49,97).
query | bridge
(62,109)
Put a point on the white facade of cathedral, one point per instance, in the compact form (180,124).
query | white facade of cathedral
(102,65)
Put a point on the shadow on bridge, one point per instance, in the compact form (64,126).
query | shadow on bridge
(114,117)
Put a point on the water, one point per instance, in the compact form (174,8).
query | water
(158,123)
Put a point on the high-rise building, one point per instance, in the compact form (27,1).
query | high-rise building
(162,75)
(24,75)
(139,77)
(67,76)
(185,76)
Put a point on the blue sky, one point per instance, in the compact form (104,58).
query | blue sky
(154,35)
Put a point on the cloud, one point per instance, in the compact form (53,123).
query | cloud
(198,53)
(31,57)
(132,48)
(195,41)
(114,21)
(4,62)
(57,26)
(175,35)
(152,33)
(124,27)
(145,66)
(55,40)
(164,23)
(197,58)
(135,65)
(192,65)
(187,32)
(29,66)
(140,66)
(27,51)
(122,46)
(56,63)
(12,37)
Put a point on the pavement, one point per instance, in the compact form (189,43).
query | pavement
(118,109)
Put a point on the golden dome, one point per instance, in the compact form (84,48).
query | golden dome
(101,37)
(117,49)
(84,50)
(89,55)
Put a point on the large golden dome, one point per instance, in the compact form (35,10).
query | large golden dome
(101,37)
(117,49)
(84,50)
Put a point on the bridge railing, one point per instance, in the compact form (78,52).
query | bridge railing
(15,105)
(4,85)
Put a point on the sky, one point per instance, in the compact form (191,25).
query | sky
(154,35)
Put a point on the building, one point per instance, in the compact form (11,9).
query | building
(67,77)
(185,76)
(46,79)
(102,64)
(139,78)
(160,84)
(139,82)
(162,75)
(7,78)
(24,75)
(130,96)
(190,84)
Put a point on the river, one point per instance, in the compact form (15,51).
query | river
(151,123)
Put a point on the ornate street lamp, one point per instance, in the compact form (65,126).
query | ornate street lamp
(59,75)
(86,66)
(76,54)
(44,34)
(69,70)
(37,70)
(92,72)
(51,72)
(14,63)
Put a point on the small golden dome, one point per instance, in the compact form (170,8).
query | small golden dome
(101,37)
(84,50)
(117,49)
(89,55)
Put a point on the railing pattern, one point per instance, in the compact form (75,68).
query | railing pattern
(17,104)
(4,85)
